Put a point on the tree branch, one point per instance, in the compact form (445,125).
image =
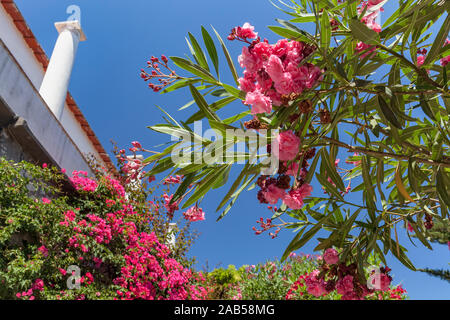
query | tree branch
(384,154)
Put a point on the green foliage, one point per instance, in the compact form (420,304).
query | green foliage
(276,280)
(394,112)
(438,273)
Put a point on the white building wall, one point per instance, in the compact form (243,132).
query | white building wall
(15,42)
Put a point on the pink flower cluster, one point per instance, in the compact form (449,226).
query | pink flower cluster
(194,214)
(244,32)
(173,180)
(272,71)
(81,181)
(444,61)
(288,146)
(148,272)
(271,193)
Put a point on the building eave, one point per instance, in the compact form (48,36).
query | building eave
(21,25)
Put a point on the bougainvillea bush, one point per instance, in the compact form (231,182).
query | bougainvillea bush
(90,243)
(293,279)
(374,94)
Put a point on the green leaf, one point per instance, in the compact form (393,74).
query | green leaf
(213,106)
(228,57)
(198,52)
(206,184)
(202,104)
(234,186)
(298,243)
(179,84)
(235,196)
(329,187)
(187,181)
(194,69)
(331,169)
(211,48)
(426,107)
(304,17)
(325,31)
(438,42)
(442,187)
(237,117)
(361,32)
(387,112)
(235,92)
(401,256)
(286,33)
(367,178)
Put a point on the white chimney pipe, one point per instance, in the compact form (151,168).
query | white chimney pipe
(171,241)
(56,80)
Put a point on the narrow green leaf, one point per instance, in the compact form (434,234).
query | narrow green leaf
(228,57)
(202,104)
(442,187)
(295,245)
(361,32)
(206,184)
(199,54)
(209,43)
(325,31)
(194,69)
(388,113)
(438,42)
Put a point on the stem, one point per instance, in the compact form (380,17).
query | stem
(385,154)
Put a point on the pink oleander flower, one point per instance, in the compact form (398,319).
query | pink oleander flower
(249,61)
(246,31)
(381,282)
(350,296)
(288,146)
(331,256)
(275,69)
(315,286)
(46,201)
(259,102)
(444,61)
(194,214)
(345,285)
(294,199)
(420,60)
(247,83)
(272,194)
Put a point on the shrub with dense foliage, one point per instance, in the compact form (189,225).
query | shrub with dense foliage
(293,279)
(375,95)
(46,236)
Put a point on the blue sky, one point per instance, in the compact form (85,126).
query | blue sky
(106,85)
